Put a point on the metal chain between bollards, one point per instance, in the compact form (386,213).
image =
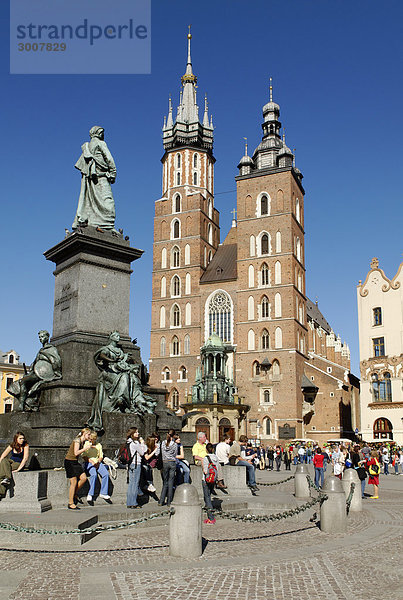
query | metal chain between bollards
(88,530)
(350,496)
(277,482)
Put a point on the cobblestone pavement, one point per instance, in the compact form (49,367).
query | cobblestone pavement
(290,559)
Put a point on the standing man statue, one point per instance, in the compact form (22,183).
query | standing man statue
(96,206)
(46,367)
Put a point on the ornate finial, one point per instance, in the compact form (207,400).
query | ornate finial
(189,34)
(246,148)
(284,135)
(189,76)
(271,90)
(316,300)
(374,263)
(293,160)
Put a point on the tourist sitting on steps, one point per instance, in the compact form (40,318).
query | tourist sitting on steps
(74,470)
(235,459)
(94,466)
(199,451)
(19,449)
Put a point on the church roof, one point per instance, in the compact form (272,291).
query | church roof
(313,313)
(223,265)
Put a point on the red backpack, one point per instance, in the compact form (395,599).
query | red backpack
(211,475)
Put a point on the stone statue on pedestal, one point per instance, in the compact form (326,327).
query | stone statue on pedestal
(96,206)
(119,385)
(46,367)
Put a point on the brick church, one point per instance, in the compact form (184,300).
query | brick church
(286,373)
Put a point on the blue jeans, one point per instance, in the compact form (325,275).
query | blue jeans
(396,468)
(386,468)
(271,462)
(93,472)
(362,487)
(309,459)
(168,477)
(184,471)
(250,471)
(133,487)
(295,460)
(207,488)
(319,474)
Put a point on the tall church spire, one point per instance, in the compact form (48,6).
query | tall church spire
(187,128)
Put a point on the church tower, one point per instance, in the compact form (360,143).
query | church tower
(271,323)
(186,237)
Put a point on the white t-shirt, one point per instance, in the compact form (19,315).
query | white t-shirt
(222,452)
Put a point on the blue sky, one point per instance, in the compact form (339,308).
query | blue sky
(336,68)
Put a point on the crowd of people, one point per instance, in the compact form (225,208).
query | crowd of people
(85,461)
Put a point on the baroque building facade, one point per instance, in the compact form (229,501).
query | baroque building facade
(10,370)
(380,322)
(248,290)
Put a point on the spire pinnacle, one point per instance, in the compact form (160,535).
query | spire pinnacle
(170,121)
(246,146)
(271,89)
(284,135)
(189,76)
(205,118)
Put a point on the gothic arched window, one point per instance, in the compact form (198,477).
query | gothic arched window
(178,178)
(177,203)
(178,161)
(162,346)
(176,286)
(264,206)
(195,178)
(175,257)
(167,374)
(265,274)
(175,346)
(268,426)
(175,399)
(264,244)
(219,316)
(186,347)
(265,308)
(265,343)
(176,316)
(176,229)
(256,369)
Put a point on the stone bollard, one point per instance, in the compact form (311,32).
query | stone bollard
(351,476)
(301,483)
(333,516)
(185,525)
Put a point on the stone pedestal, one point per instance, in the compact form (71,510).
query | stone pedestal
(92,299)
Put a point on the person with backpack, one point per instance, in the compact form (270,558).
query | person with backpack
(373,470)
(210,477)
(362,474)
(132,454)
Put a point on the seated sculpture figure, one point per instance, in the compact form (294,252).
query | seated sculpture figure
(119,385)
(46,367)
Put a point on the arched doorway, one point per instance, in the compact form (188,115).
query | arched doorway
(225,429)
(383,429)
(203,424)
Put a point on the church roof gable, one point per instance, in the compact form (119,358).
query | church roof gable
(223,265)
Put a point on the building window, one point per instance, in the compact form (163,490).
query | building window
(210,208)
(278,338)
(175,346)
(266,397)
(382,390)
(175,257)
(10,359)
(176,316)
(187,344)
(183,373)
(8,407)
(298,248)
(162,317)
(379,346)
(329,369)
(378,315)
(210,256)
(176,229)
(195,178)
(278,241)
(9,381)
(210,234)
(256,369)
(276,368)
(265,340)
(162,346)
(164,258)
(175,399)
(264,244)
(265,308)
(297,211)
(383,429)
(251,339)
(195,161)
(220,316)
(178,161)
(176,286)
(187,254)
(268,426)
(178,178)
(265,273)
(264,206)
(177,203)
(167,374)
